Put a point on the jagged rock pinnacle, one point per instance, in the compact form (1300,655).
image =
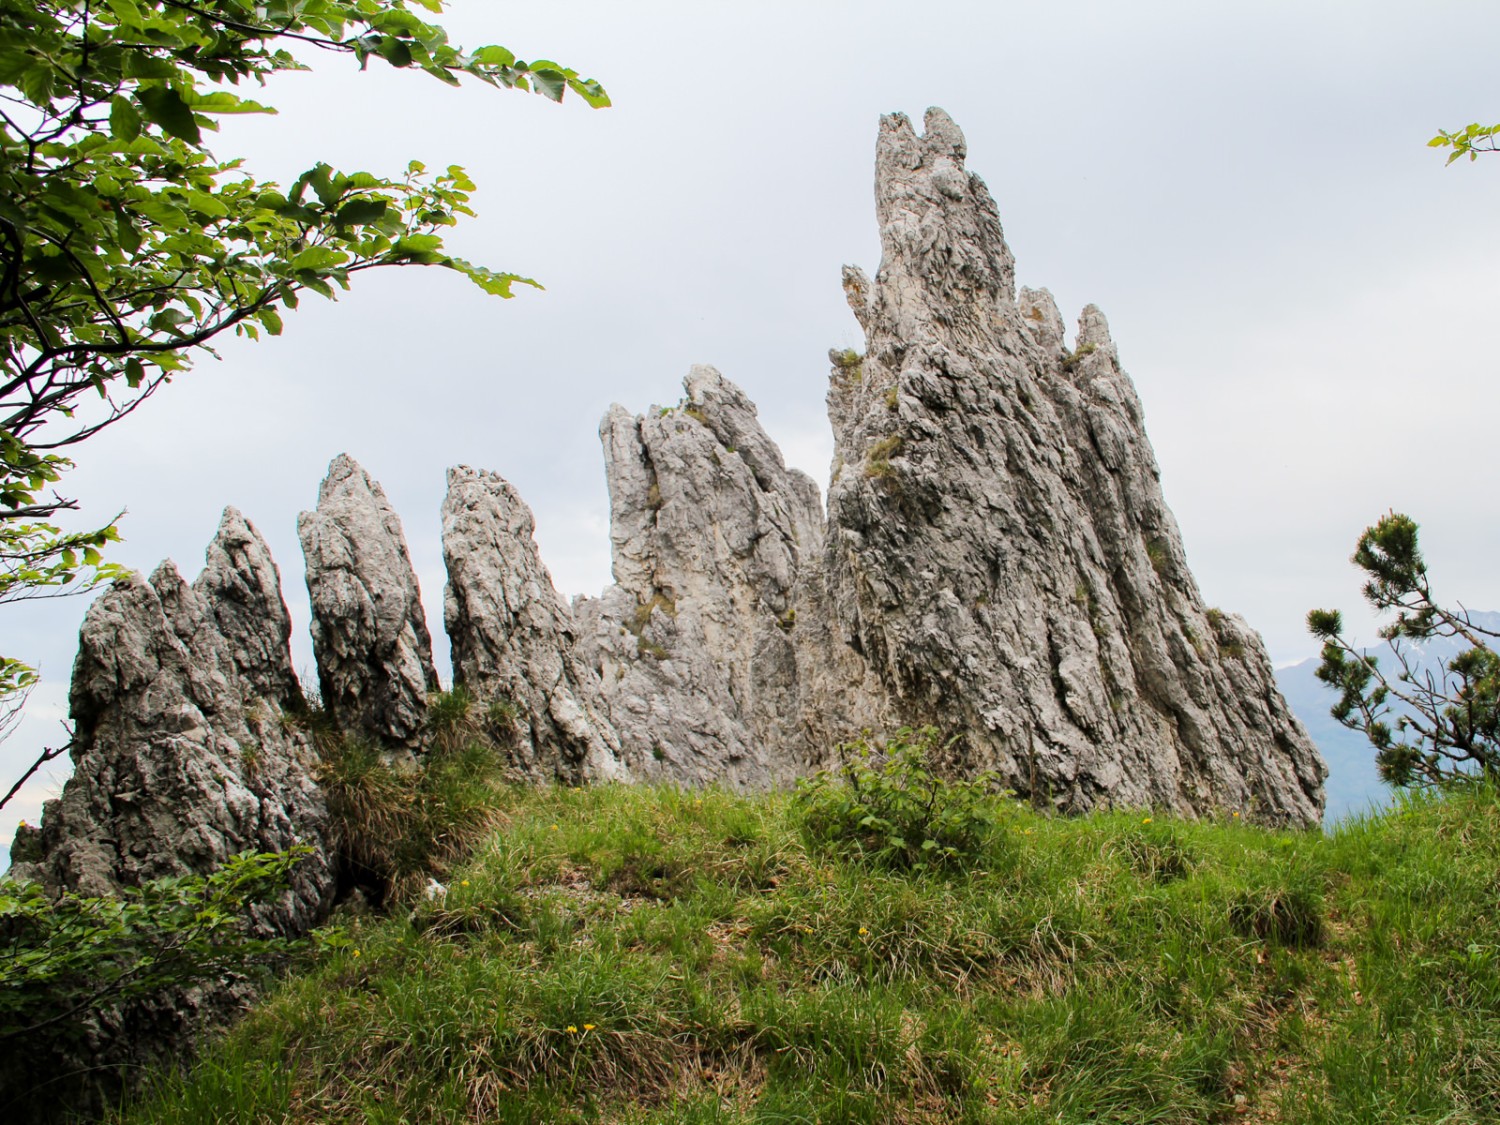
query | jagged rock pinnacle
(998,542)
(514,638)
(369,632)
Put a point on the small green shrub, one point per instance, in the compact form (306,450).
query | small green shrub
(850,362)
(502,717)
(887,807)
(448,710)
(640,617)
(1156,551)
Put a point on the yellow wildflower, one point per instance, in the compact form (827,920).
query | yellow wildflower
(554,828)
(588,1027)
(1145,820)
(356,953)
(572,1030)
(863,931)
(465,883)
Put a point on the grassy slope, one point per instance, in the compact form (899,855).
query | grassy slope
(638,955)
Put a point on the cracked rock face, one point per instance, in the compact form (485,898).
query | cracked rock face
(514,637)
(370,635)
(999,547)
(184,752)
(714,646)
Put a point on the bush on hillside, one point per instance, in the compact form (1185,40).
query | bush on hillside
(887,806)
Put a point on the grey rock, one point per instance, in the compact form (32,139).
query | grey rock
(999,548)
(370,637)
(514,639)
(186,749)
(714,646)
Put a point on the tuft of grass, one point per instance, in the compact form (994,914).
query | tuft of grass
(634,955)
(1072,360)
(1156,551)
(878,458)
(848,362)
(641,616)
(393,825)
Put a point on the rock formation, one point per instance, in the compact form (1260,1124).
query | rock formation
(998,543)
(714,646)
(369,633)
(514,638)
(184,753)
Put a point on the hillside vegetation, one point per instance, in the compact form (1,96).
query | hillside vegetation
(620,954)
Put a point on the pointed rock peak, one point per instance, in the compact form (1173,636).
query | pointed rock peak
(166,579)
(1039,313)
(714,648)
(181,758)
(369,631)
(999,548)
(728,412)
(347,477)
(243,585)
(938,224)
(481,488)
(1093,330)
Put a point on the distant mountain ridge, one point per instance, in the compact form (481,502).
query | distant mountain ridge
(1353,783)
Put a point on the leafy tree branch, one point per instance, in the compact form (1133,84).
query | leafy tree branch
(126,245)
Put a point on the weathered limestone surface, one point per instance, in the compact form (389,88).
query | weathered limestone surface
(714,646)
(514,640)
(999,547)
(183,753)
(369,633)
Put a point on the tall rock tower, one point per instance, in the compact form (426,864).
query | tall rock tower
(998,545)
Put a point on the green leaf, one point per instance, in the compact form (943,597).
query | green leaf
(494,56)
(395,51)
(166,108)
(124,121)
(418,244)
(358,212)
(550,83)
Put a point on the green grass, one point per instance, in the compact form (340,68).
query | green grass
(644,955)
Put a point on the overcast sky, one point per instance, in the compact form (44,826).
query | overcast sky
(1303,294)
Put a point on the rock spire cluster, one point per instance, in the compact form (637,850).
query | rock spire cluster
(996,559)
